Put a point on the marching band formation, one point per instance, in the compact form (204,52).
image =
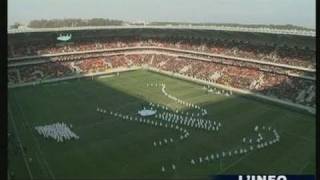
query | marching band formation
(58,131)
(179,101)
(162,142)
(174,120)
(142,120)
(194,120)
(249,143)
(189,121)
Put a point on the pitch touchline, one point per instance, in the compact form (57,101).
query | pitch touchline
(35,140)
(20,145)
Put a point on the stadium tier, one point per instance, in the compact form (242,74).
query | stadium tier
(278,71)
(281,55)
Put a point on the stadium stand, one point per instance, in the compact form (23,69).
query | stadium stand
(286,73)
(282,55)
(292,89)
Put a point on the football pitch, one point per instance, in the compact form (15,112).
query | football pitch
(111,147)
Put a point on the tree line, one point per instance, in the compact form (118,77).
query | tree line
(55,23)
(271,26)
(70,22)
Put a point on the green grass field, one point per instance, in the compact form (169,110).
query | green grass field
(109,147)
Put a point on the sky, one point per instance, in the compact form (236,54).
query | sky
(296,12)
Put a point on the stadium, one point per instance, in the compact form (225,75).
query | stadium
(159,102)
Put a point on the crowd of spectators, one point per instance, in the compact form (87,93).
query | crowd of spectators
(271,84)
(281,55)
(43,71)
(91,65)
(281,86)
(118,61)
(13,77)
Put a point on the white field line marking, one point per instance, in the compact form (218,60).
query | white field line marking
(35,140)
(20,145)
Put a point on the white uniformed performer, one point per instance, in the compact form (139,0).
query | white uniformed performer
(163,169)
(173,167)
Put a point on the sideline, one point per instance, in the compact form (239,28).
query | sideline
(20,144)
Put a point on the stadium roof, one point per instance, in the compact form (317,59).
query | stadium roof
(220,28)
